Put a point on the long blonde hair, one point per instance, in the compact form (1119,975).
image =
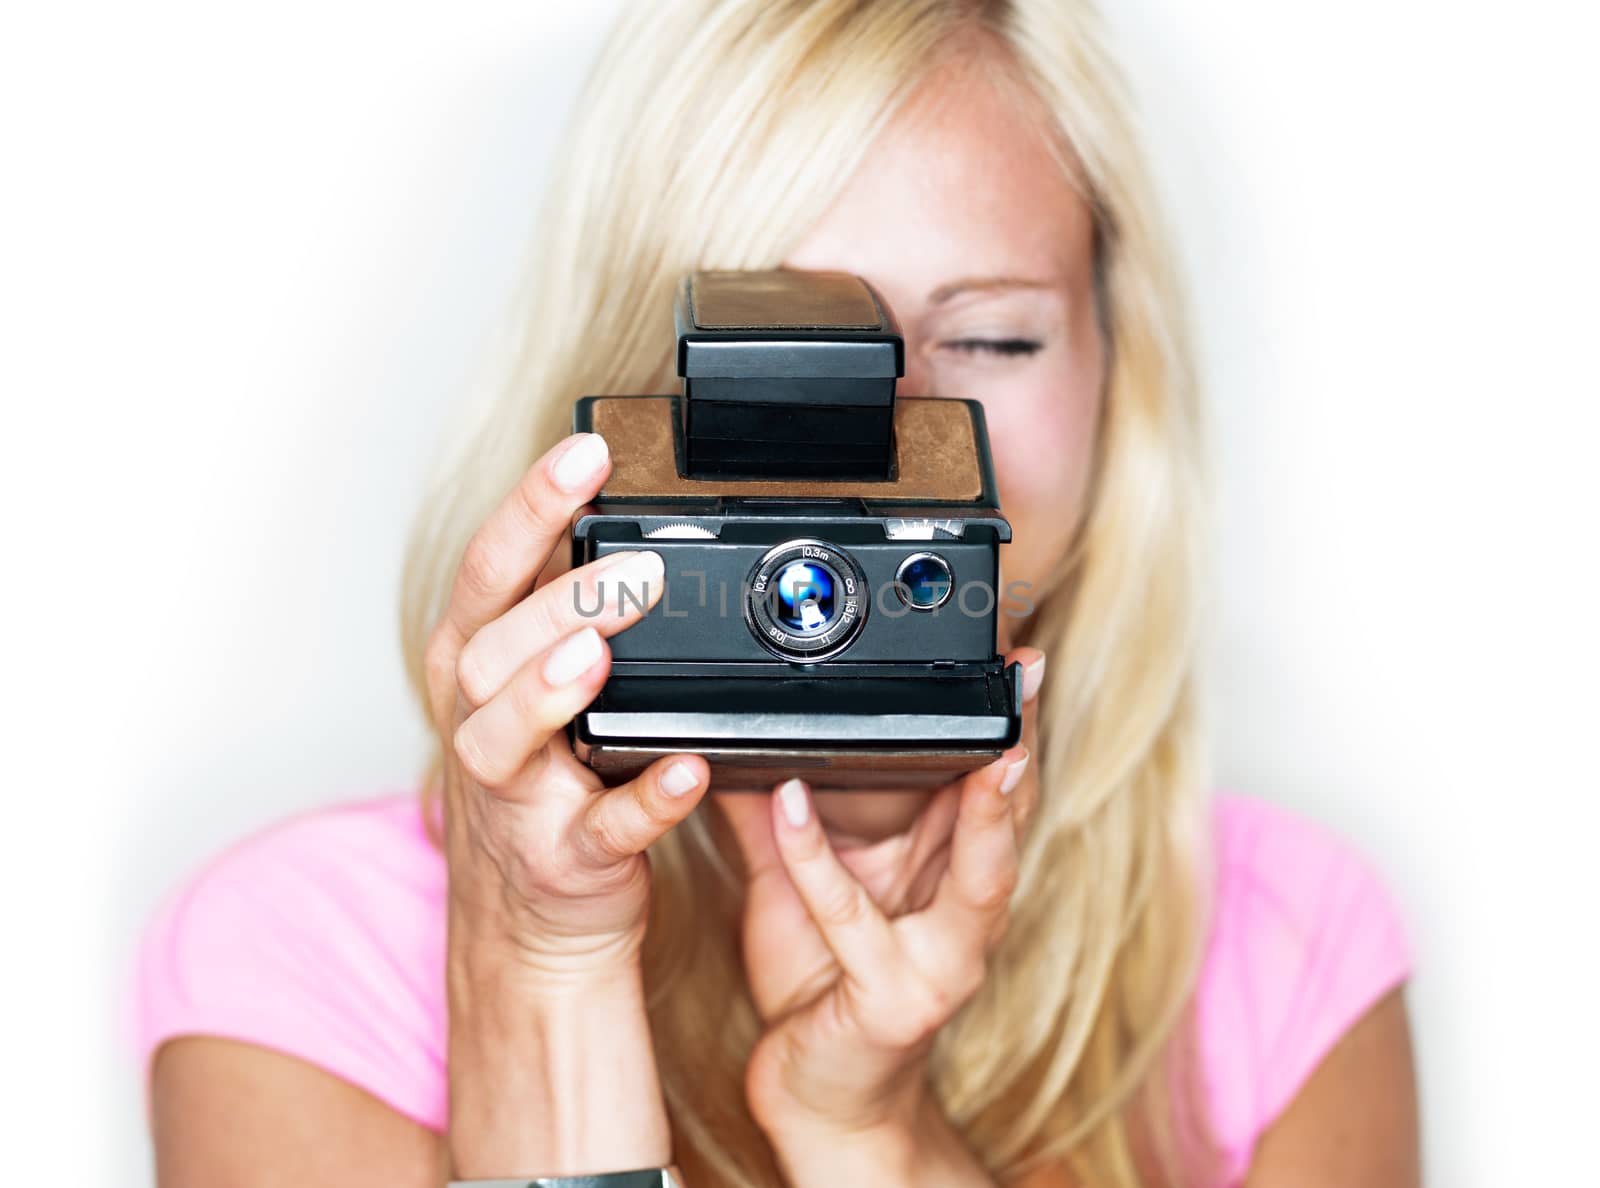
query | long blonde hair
(712,133)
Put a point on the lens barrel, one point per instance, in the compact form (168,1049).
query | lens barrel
(806,600)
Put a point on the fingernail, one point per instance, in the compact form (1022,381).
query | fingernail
(792,796)
(606,562)
(581,462)
(639,577)
(678,779)
(1032,678)
(572,657)
(1013,776)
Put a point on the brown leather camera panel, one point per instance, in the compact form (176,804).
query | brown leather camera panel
(934,444)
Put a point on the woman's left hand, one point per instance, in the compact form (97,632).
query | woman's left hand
(853,992)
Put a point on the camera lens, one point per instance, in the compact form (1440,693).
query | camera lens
(806,600)
(923,581)
(805,596)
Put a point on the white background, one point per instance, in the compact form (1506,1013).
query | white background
(249,257)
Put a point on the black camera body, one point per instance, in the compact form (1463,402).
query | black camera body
(832,552)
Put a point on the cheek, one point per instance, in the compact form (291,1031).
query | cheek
(1042,433)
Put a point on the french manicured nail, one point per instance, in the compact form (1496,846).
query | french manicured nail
(581,462)
(792,796)
(639,576)
(572,657)
(678,779)
(1013,776)
(1032,678)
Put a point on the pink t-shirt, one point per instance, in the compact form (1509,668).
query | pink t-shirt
(324,937)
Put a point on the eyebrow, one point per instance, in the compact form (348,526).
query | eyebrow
(969,283)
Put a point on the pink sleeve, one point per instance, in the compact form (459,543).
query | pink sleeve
(1305,941)
(320,938)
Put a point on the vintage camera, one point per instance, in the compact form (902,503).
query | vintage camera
(832,553)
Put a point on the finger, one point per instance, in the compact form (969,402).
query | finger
(785,958)
(933,827)
(975,892)
(860,936)
(560,561)
(890,868)
(512,545)
(497,739)
(1032,661)
(750,817)
(631,817)
(609,594)
(1025,797)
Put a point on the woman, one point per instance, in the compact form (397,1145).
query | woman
(1069,968)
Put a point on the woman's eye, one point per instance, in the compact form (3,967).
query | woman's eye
(997,346)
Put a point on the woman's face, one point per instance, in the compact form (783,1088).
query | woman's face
(963,221)
(965,224)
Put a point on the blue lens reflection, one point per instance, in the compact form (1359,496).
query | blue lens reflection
(805,597)
(926,581)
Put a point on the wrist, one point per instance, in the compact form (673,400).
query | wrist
(816,1151)
(659,1177)
(489,974)
(884,1157)
(918,1148)
(501,1007)
(552,1077)
(487,953)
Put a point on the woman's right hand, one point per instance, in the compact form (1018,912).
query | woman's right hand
(548,876)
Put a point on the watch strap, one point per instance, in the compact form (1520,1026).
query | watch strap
(655,1177)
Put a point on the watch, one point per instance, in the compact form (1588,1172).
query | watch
(655,1177)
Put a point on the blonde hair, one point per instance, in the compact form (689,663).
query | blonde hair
(713,133)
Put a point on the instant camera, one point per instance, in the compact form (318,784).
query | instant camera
(832,552)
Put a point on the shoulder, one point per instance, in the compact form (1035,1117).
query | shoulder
(1305,938)
(321,936)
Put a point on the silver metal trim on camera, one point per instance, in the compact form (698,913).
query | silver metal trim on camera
(744,727)
(905,528)
(680,530)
